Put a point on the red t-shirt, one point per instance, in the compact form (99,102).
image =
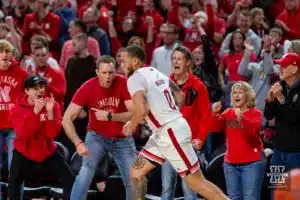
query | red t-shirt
(232,62)
(112,99)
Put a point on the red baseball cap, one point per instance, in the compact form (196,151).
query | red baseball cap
(289,59)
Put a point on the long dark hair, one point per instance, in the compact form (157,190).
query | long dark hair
(231,47)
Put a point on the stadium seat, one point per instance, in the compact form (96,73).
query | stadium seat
(63,150)
(215,173)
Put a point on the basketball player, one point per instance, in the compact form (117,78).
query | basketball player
(151,92)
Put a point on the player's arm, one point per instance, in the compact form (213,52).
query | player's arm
(141,108)
(177,93)
(70,115)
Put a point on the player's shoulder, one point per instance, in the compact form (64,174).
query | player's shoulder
(91,82)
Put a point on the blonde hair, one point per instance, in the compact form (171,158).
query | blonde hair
(133,38)
(248,89)
(6,46)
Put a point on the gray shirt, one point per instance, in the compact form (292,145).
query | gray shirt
(260,76)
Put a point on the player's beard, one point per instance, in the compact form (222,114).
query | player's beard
(130,71)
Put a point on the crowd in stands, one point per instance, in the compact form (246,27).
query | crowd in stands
(228,52)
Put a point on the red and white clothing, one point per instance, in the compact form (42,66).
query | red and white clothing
(56,83)
(242,139)
(11,87)
(290,20)
(35,133)
(172,134)
(112,99)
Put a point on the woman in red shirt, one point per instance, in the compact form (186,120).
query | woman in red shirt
(230,64)
(245,162)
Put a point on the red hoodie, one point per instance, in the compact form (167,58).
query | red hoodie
(197,111)
(56,83)
(11,87)
(35,133)
(243,139)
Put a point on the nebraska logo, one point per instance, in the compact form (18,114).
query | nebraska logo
(5,94)
(278,177)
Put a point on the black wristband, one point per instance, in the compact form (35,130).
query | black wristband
(109,116)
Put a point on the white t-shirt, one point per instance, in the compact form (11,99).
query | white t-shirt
(158,94)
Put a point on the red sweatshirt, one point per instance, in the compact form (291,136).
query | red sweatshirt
(242,139)
(11,87)
(35,133)
(290,19)
(50,25)
(56,83)
(196,109)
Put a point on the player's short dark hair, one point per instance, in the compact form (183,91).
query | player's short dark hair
(105,59)
(185,51)
(136,51)
(79,23)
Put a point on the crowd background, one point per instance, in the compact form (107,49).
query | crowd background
(230,41)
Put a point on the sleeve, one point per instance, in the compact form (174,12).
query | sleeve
(135,83)
(55,28)
(204,113)
(81,96)
(252,122)
(225,46)
(256,42)
(25,28)
(53,127)
(94,48)
(104,45)
(270,110)
(58,86)
(25,122)
(217,122)
(62,61)
(244,67)
(268,64)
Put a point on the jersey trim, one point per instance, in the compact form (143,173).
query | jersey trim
(154,120)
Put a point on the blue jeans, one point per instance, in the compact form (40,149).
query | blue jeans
(6,137)
(169,179)
(244,181)
(291,160)
(124,153)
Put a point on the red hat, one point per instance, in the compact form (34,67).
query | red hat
(289,59)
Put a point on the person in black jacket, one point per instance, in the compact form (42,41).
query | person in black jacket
(206,68)
(283,104)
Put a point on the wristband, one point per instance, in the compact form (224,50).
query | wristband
(79,143)
(109,116)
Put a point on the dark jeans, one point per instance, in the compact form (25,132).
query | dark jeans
(22,168)
(244,181)
(290,160)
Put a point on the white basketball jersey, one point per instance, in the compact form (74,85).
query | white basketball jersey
(159,97)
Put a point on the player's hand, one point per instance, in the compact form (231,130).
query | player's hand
(197,144)
(50,103)
(83,151)
(248,45)
(39,104)
(101,115)
(128,129)
(216,108)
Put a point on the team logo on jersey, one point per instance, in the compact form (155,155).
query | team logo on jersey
(5,94)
